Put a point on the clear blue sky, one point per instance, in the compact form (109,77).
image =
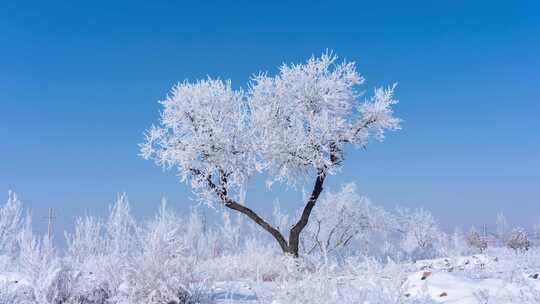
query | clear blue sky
(79,85)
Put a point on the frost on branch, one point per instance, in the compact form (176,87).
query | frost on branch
(420,232)
(342,219)
(518,240)
(291,125)
(292,128)
(475,241)
(203,132)
(306,114)
(11,221)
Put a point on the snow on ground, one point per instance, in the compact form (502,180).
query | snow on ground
(461,281)
(457,281)
(478,279)
(233,292)
(450,288)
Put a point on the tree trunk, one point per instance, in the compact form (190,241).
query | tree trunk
(292,246)
(294,234)
(261,222)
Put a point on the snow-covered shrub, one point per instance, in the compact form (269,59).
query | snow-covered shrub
(39,264)
(87,241)
(12,292)
(453,245)
(88,256)
(200,240)
(11,222)
(38,274)
(475,241)
(420,233)
(529,293)
(360,282)
(345,221)
(118,260)
(181,259)
(122,240)
(255,262)
(100,252)
(161,271)
(231,232)
(122,233)
(518,240)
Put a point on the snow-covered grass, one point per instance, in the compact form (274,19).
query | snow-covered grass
(501,277)
(172,258)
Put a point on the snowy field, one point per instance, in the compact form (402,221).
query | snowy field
(466,280)
(473,279)
(391,257)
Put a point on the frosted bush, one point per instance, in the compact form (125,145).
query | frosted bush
(11,222)
(87,241)
(160,271)
(256,263)
(345,221)
(121,261)
(181,259)
(420,233)
(367,282)
(518,240)
(475,241)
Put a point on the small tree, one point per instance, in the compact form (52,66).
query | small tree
(292,127)
(420,231)
(474,240)
(11,222)
(518,240)
(342,218)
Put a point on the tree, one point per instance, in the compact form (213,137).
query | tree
(474,240)
(342,218)
(11,222)
(518,240)
(420,231)
(292,127)
(38,261)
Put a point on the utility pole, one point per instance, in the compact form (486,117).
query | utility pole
(50,218)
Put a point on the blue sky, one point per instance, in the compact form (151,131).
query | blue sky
(79,84)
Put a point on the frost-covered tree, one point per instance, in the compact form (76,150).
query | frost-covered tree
(38,261)
(160,269)
(342,218)
(121,229)
(292,127)
(118,260)
(11,222)
(87,239)
(475,240)
(420,231)
(518,240)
